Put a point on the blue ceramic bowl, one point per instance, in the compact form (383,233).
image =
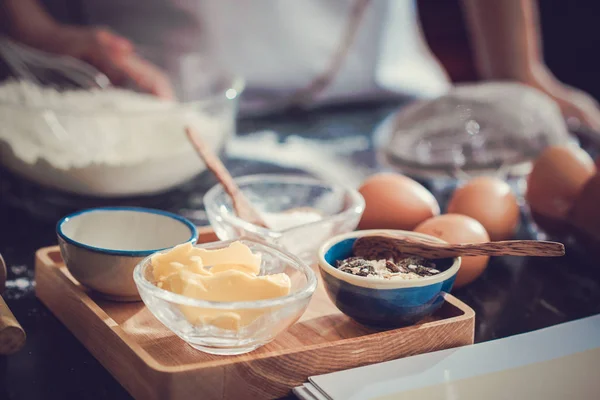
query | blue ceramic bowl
(377,302)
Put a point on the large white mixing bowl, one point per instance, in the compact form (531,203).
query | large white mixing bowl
(76,155)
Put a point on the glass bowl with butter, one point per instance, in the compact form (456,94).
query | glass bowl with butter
(226,297)
(301,212)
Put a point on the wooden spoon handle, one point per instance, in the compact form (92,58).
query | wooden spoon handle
(241,204)
(531,248)
(213,163)
(385,246)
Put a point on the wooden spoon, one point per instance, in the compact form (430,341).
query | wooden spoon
(385,247)
(12,335)
(242,206)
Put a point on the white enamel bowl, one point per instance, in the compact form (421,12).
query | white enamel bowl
(102,246)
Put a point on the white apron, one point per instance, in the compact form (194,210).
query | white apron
(279,46)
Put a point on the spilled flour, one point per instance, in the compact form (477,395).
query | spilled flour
(21,285)
(323,159)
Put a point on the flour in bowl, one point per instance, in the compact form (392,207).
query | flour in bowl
(110,127)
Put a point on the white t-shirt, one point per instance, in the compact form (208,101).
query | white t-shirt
(279,46)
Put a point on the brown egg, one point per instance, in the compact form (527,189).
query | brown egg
(457,229)
(557,178)
(556,228)
(585,213)
(394,201)
(491,202)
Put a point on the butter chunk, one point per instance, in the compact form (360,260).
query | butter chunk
(226,267)
(230,285)
(235,254)
(223,275)
(234,285)
(222,319)
(228,320)
(177,282)
(232,320)
(177,259)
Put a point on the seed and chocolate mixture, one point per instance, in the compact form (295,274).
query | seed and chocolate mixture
(374,258)
(405,268)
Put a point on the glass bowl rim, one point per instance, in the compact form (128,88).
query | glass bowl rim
(231,82)
(305,292)
(357,203)
(386,130)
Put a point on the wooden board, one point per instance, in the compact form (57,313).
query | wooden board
(152,363)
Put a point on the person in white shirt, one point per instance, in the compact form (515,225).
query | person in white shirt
(309,52)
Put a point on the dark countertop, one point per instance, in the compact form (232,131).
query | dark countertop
(513,296)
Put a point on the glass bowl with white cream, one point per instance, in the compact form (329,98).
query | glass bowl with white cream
(226,297)
(301,212)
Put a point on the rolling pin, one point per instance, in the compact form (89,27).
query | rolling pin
(12,335)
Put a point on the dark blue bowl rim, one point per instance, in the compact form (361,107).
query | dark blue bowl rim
(365,282)
(127,253)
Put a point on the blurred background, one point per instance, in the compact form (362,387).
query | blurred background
(77,151)
(568,28)
(568,32)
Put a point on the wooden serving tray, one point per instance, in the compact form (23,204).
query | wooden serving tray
(152,363)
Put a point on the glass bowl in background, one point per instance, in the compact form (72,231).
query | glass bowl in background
(268,318)
(493,128)
(341,208)
(477,129)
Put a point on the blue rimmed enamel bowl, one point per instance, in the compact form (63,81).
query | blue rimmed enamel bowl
(102,246)
(378,302)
